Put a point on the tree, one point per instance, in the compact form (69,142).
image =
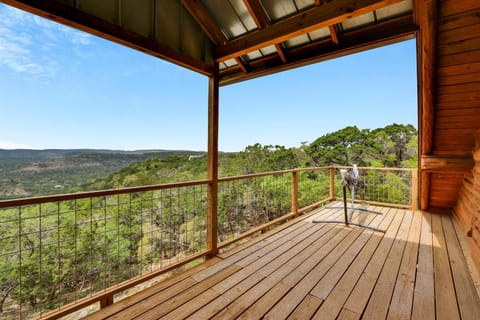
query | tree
(343,147)
(400,135)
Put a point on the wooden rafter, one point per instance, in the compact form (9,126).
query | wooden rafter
(299,24)
(257,12)
(205,20)
(67,15)
(383,33)
(333,34)
(198,11)
(331,29)
(262,21)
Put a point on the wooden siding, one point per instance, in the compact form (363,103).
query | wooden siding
(416,270)
(468,206)
(457,98)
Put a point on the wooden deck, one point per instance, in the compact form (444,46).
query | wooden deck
(416,270)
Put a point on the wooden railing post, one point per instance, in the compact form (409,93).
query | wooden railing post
(332,184)
(295,193)
(212,189)
(414,190)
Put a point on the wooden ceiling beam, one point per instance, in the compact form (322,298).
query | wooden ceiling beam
(383,33)
(258,13)
(261,19)
(72,17)
(299,24)
(446,164)
(198,11)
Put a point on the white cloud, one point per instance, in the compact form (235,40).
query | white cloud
(30,44)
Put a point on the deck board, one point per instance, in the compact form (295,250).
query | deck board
(305,270)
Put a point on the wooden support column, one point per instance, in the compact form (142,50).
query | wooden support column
(295,193)
(426,18)
(212,190)
(332,184)
(414,192)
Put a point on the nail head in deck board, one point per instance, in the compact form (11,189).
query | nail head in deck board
(423,297)
(445,299)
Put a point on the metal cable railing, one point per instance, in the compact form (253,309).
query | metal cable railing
(89,248)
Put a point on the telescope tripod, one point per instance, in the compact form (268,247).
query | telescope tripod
(345,210)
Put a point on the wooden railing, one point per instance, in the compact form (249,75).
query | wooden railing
(61,253)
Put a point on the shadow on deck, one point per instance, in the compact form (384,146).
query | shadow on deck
(303,270)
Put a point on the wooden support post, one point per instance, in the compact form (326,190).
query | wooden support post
(106,301)
(212,189)
(332,184)
(425,13)
(414,190)
(295,193)
(425,190)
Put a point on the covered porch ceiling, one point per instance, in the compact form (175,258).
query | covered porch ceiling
(236,40)
(247,38)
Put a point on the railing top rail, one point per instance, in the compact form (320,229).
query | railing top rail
(269,173)
(99,193)
(376,168)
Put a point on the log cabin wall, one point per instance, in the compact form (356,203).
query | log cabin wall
(456,98)
(467,208)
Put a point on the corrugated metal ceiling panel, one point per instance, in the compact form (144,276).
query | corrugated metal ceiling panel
(278,9)
(359,21)
(394,10)
(243,14)
(226,17)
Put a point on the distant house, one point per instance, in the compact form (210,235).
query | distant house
(194,157)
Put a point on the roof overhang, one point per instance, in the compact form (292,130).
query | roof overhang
(247,38)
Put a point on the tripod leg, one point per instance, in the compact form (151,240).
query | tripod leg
(352,206)
(345,210)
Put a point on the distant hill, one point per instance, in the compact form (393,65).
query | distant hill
(25,172)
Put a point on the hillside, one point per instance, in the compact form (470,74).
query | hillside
(392,146)
(25,173)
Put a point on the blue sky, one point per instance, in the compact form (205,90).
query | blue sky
(61,88)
